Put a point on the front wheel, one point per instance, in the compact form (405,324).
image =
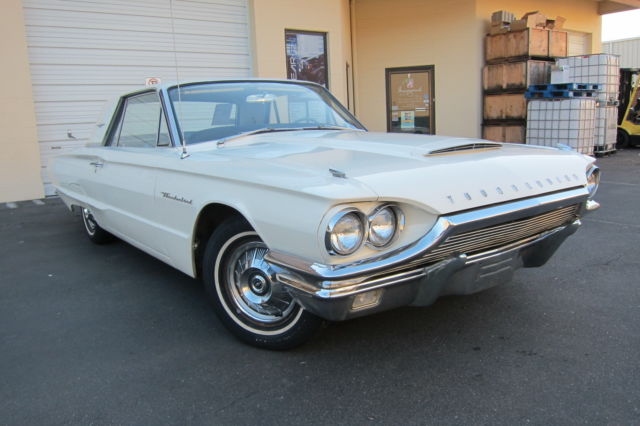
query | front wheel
(245,294)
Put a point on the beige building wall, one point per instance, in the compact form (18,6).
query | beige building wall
(270,19)
(20,159)
(413,33)
(450,36)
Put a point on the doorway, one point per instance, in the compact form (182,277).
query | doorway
(410,99)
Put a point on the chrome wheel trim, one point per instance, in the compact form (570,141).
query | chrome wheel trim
(251,283)
(233,294)
(90,223)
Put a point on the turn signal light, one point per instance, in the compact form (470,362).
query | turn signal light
(366,300)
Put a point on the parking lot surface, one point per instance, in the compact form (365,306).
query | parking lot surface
(109,335)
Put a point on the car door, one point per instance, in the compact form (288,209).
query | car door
(126,170)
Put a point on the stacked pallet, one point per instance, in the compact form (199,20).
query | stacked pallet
(519,53)
(562,90)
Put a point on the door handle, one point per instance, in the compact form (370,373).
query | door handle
(97,163)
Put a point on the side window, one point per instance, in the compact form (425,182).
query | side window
(114,129)
(140,123)
(163,135)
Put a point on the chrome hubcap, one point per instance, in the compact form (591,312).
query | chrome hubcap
(252,285)
(259,285)
(89,221)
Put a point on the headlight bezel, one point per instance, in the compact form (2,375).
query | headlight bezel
(331,249)
(399,221)
(364,244)
(593,180)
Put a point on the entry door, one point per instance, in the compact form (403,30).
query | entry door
(410,100)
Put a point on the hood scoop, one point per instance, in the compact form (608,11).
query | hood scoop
(464,149)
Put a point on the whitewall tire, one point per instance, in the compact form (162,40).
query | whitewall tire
(247,298)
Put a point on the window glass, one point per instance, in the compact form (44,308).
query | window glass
(224,115)
(163,136)
(211,111)
(139,126)
(114,130)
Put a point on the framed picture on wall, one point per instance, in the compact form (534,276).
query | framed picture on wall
(306,53)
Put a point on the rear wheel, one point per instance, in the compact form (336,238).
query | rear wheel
(622,140)
(245,294)
(93,230)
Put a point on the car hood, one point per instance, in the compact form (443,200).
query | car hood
(404,168)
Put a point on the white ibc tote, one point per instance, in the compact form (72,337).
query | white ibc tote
(571,122)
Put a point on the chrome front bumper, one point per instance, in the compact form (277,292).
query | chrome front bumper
(398,279)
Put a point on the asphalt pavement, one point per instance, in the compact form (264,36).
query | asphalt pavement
(109,335)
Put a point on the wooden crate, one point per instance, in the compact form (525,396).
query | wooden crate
(558,42)
(514,133)
(505,107)
(528,42)
(515,75)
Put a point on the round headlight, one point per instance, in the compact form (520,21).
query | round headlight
(382,226)
(593,180)
(345,233)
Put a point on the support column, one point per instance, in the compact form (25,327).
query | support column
(19,152)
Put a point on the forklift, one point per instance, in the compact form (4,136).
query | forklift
(629,108)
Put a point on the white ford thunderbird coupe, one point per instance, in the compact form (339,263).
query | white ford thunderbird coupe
(292,213)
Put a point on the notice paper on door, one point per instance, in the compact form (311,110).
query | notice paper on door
(408,119)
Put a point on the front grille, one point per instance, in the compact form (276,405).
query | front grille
(492,237)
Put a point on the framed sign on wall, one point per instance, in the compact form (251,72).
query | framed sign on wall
(306,53)
(410,99)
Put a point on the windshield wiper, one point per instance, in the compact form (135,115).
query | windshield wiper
(222,141)
(329,128)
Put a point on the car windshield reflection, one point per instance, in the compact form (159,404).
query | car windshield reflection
(220,111)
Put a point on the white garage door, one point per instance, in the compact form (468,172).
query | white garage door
(578,43)
(85,52)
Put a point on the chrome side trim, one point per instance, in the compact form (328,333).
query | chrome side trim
(441,229)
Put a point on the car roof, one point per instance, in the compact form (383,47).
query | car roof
(170,84)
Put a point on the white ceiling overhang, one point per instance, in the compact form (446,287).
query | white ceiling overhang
(613,6)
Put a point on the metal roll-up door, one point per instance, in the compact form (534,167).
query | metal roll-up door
(83,53)
(578,43)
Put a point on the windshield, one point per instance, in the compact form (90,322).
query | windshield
(212,111)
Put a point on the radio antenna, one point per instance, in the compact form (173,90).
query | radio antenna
(184,153)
